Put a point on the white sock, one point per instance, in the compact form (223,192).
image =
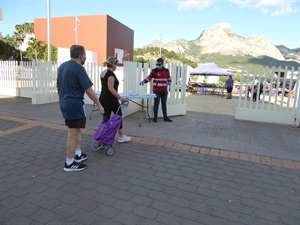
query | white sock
(78,151)
(69,161)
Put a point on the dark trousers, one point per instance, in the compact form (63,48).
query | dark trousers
(254,96)
(160,96)
(260,93)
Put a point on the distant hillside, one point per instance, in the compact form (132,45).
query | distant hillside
(222,46)
(289,54)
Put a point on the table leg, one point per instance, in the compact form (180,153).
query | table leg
(142,113)
(147,107)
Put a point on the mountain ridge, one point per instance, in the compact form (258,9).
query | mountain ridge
(220,39)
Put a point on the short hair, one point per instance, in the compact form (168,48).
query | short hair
(111,61)
(76,51)
(160,60)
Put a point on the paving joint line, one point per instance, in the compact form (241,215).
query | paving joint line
(291,164)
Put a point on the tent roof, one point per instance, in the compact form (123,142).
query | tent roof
(209,69)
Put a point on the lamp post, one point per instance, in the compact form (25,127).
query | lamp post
(49,30)
(77,23)
(160,44)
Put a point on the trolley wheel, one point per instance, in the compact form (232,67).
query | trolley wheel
(110,151)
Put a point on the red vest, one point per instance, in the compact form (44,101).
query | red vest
(160,77)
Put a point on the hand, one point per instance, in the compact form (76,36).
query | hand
(142,83)
(122,100)
(169,83)
(101,110)
(125,103)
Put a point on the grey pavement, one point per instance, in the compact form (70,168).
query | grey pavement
(209,122)
(144,184)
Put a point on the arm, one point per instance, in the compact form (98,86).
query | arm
(92,95)
(148,78)
(110,84)
(169,79)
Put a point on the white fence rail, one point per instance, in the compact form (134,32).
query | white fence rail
(277,102)
(279,99)
(37,80)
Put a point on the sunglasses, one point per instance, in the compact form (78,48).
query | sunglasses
(158,64)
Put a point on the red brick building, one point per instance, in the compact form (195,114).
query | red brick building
(98,33)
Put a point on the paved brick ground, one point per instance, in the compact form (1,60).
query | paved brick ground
(148,181)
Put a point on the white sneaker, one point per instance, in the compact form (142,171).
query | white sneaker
(124,139)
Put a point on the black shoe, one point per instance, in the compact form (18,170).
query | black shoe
(81,158)
(155,120)
(74,167)
(168,119)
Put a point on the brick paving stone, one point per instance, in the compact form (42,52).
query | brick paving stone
(126,206)
(168,219)
(43,216)
(224,154)
(84,217)
(142,200)
(140,184)
(127,218)
(19,220)
(146,212)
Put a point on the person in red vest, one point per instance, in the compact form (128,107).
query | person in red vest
(161,80)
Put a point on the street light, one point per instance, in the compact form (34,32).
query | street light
(77,23)
(160,44)
(49,30)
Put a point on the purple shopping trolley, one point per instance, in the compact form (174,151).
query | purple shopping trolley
(105,134)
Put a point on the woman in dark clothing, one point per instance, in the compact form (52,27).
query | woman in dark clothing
(109,96)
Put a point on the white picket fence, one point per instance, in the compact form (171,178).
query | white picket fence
(37,80)
(277,104)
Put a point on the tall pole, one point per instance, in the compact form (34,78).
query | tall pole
(76,29)
(49,30)
(160,44)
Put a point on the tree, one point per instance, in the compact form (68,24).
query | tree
(6,50)
(20,35)
(36,50)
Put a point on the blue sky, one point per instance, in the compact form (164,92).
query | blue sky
(166,20)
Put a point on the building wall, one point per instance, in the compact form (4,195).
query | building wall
(63,54)
(98,33)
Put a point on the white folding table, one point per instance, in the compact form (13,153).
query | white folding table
(144,107)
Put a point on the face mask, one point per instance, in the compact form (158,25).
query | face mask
(82,60)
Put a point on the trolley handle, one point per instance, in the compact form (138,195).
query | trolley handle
(125,103)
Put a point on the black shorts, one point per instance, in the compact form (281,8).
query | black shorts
(229,89)
(80,123)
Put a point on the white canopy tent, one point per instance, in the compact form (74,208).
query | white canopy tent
(209,69)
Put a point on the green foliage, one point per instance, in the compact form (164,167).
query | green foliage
(53,54)
(233,64)
(6,50)
(146,54)
(194,49)
(37,50)
(224,61)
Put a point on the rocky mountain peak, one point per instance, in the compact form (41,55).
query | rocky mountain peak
(222,28)
(221,39)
